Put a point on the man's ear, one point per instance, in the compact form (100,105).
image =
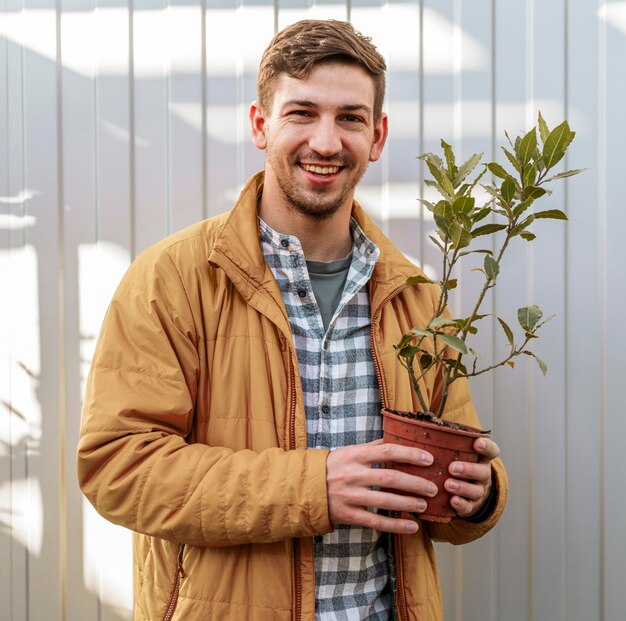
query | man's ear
(381,130)
(257,126)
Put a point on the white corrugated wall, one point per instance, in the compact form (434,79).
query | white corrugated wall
(123,121)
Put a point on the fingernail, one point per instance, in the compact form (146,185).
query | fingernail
(481,444)
(432,489)
(411,527)
(427,458)
(457,467)
(453,486)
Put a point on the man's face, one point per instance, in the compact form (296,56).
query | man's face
(319,136)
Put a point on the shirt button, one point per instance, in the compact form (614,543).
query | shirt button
(284,243)
(325,409)
(302,293)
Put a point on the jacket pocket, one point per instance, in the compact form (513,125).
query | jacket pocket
(180,574)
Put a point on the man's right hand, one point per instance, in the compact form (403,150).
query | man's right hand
(350,477)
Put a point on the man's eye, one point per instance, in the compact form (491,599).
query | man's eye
(353,119)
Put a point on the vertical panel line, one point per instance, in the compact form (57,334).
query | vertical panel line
(131,123)
(62,399)
(529,374)
(566,349)
(203,112)
(495,600)
(168,128)
(420,169)
(602,261)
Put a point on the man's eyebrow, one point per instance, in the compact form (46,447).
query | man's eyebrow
(305,103)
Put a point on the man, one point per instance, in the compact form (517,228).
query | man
(232,415)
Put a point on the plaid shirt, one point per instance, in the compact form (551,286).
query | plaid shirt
(342,408)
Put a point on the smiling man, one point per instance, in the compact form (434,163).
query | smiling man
(232,415)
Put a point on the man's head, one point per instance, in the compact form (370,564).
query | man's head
(297,49)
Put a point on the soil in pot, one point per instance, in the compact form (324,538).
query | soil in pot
(446,441)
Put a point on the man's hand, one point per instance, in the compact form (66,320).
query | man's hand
(350,477)
(471,484)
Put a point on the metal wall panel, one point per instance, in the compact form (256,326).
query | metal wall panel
(122,122)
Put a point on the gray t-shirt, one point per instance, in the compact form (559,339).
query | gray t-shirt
(328,279)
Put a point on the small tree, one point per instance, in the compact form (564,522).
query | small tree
(460,221)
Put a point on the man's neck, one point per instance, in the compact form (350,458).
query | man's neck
(321,240)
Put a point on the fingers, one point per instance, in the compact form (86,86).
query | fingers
(487,449)
(380,452)
(382,523)
(354,485)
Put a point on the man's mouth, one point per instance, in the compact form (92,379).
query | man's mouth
(321,170)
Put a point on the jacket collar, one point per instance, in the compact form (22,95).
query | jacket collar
(238,250)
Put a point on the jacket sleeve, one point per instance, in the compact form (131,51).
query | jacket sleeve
(459,408)
(135,463)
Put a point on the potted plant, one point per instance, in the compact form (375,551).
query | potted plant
(443,344)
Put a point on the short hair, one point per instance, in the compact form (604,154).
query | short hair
(297,49)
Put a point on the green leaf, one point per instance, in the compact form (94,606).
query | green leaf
(544,132)
(508,189)
(442,322)
(427,361)
(459,236)
(497,170)
(527,235)
(466,168)
(450,159)
(488,229)
(567,173)
(492,269)
(443,209)
(437,243)
(540,362)
(481,214)
(463,204)
(420,332)
(529,317)
(508,332)
(556,144)
(530,175)
(443,225)
(454,341)
(527,146)
(516,230)
(409,352)
(455,363)
(531,193)
(404,341)
(552,214)
(478,251)
(449,284)
(416,280)
(513,159)
(430,206)
(437,186)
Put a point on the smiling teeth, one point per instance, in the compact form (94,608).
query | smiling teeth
(321,170)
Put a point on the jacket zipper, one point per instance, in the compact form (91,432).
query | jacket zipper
(400,604)
(180,574)
(292,446)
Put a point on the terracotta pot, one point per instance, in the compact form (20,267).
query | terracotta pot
(445,443)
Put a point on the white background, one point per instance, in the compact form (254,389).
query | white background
(123,121)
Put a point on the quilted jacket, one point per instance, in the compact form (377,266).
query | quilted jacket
(193,432)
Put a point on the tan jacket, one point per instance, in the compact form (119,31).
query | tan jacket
(194,436)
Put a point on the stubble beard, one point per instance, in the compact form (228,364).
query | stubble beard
(319,204)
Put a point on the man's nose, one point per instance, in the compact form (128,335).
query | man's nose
(326,139)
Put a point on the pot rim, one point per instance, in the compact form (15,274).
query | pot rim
(460,428)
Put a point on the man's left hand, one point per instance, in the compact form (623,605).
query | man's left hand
(471,483)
